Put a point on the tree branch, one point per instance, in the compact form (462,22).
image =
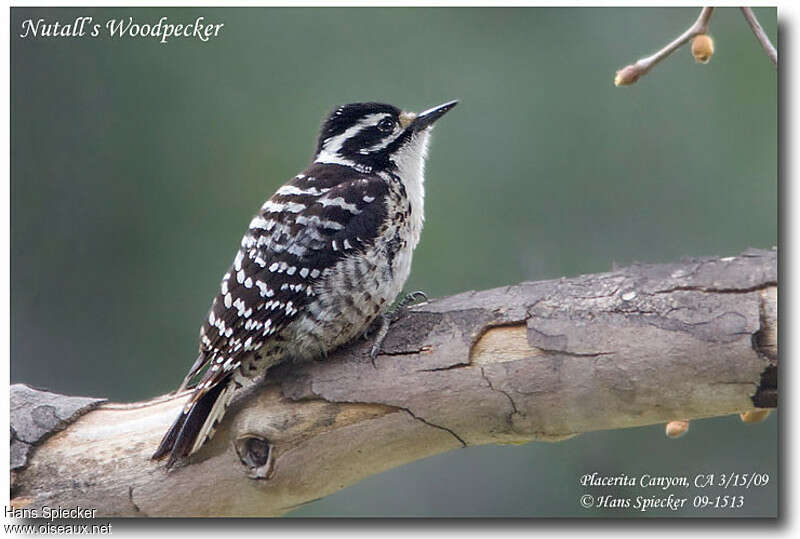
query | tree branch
(761,35)
(631,73)
(535,361)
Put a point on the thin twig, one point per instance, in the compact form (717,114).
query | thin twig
(631,73)
(761,35)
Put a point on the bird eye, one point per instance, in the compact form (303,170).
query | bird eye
(386,125)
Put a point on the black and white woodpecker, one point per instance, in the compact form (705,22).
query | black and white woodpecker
(325,256)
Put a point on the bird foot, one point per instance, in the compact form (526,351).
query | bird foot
(386,319)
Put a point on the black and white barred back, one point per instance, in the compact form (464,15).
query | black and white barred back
(326,254)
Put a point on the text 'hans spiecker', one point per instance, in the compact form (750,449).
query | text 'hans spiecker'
(163,30)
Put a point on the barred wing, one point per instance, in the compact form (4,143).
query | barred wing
(306,227)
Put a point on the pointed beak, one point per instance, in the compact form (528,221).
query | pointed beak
(427,118)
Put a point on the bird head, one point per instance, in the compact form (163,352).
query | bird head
(376,136)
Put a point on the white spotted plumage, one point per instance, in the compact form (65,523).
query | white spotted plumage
(325,255)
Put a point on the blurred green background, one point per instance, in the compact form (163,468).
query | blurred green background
(136,166)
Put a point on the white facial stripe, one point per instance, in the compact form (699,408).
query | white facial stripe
(331,146)
(334,144)
(381,145)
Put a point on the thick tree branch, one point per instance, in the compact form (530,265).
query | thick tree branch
(535,361)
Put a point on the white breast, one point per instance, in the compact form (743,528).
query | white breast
(359,287)
(411,170)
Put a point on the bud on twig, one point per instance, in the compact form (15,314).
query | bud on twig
(754,416)
(627,75)
(676,429)
(702,48)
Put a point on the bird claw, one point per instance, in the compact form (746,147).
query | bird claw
(380,336)
(392,315)
(410,299)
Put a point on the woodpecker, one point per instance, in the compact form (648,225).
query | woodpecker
(325,256)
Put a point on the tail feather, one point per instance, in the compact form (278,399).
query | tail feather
(197,366)
(214,416)
(196,424)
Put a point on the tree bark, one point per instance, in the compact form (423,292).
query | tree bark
(539,361)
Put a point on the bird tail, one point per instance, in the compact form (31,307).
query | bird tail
(196,423)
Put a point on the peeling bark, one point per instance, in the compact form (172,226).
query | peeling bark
(534,361)
(35,415)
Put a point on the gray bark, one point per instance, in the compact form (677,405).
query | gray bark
(539,361)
